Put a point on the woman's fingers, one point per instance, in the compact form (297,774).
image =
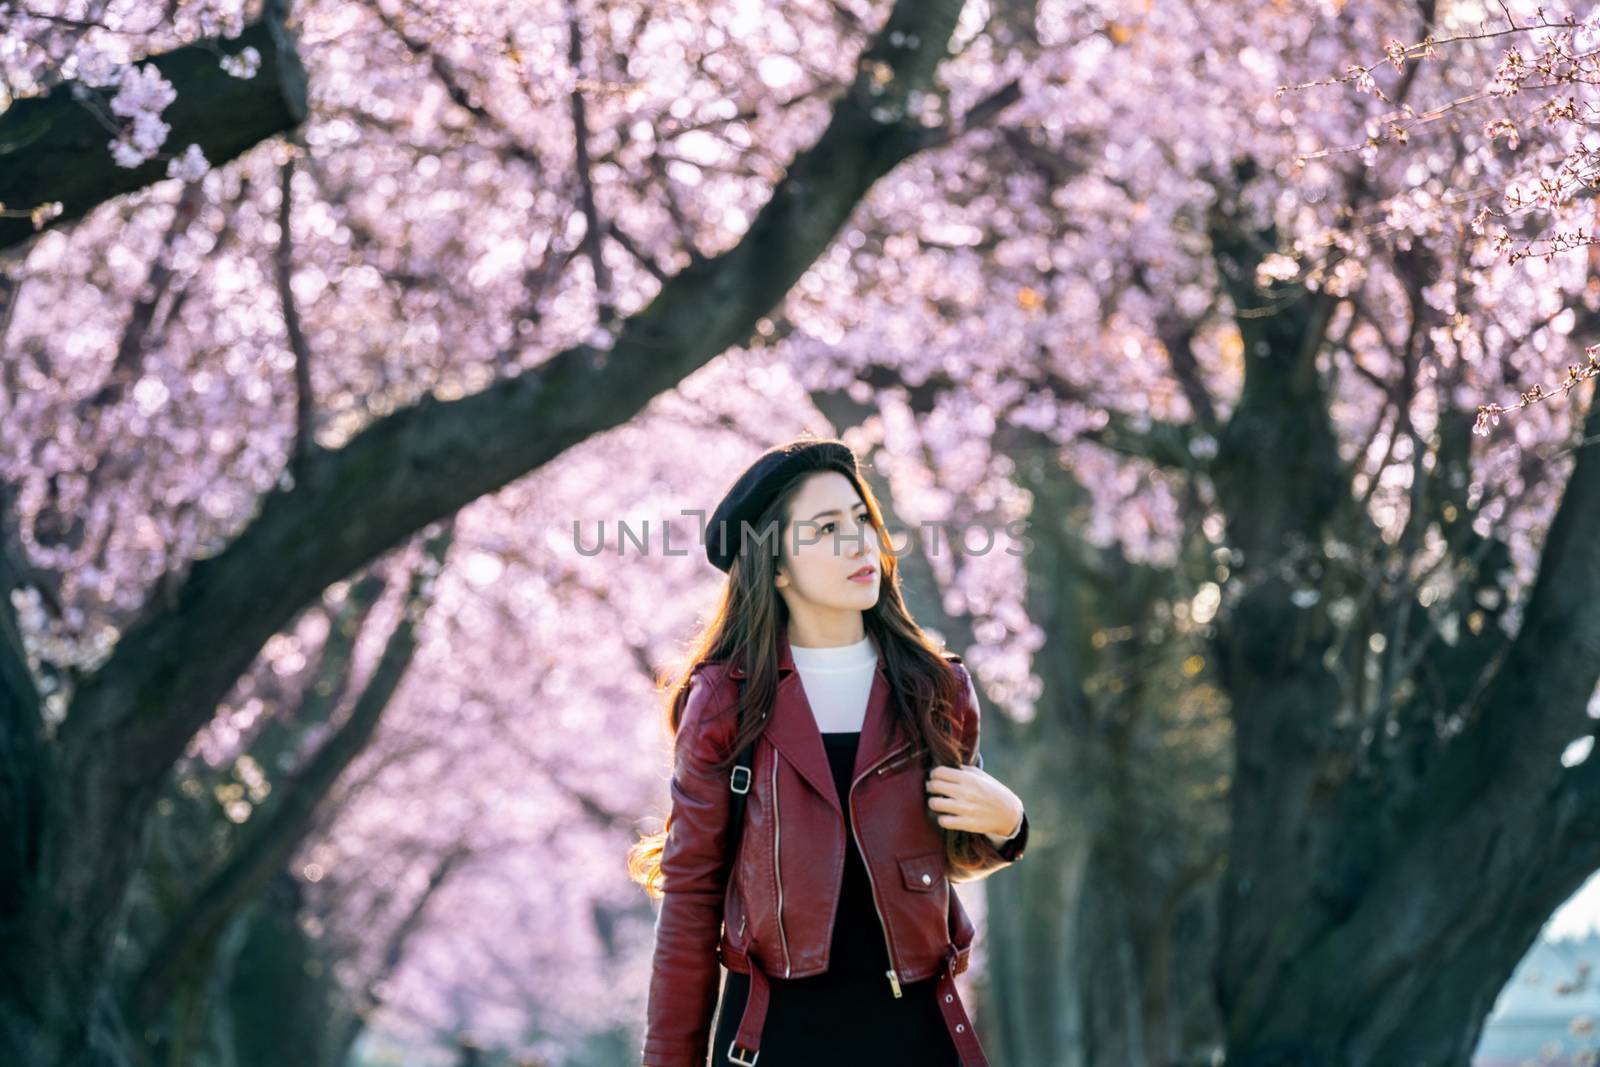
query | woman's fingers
(962,799)
(950,780)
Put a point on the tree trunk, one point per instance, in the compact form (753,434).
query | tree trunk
(1124,786)
(1395,848)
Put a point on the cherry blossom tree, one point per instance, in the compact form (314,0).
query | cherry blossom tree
(1292,648)
(135,626)
(1257,365)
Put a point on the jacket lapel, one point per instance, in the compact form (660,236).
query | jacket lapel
(794,732)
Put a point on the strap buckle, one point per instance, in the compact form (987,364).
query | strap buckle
(733,1057)
(741,785)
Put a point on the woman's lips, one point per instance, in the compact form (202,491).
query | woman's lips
(864,576)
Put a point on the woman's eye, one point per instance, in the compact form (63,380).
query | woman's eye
(827,526)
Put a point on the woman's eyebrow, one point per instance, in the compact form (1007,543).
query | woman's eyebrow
(830,511)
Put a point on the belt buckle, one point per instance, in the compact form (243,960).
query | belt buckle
(741,785)
(733,1057)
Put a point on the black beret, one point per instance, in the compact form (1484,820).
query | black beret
(760,484)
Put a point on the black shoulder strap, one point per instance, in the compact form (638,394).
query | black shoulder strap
(739,783)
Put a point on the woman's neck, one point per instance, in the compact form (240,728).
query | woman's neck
(832,633)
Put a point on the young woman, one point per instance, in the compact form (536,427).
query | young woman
(866,799)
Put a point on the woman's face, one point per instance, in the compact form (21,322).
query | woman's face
(828,537)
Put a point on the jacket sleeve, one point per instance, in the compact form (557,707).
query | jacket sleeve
(685,971)
(993,858)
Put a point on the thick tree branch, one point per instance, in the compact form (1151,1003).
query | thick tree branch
(1278,470)
(1536,703)
(133,719)
(274,746)
(54,146)
(272,835)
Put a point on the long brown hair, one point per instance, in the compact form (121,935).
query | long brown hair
(925,690)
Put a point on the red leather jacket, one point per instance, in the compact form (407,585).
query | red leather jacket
(780,901)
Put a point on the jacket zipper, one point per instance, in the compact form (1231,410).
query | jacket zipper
(777,870)
(887,767)
(894,979)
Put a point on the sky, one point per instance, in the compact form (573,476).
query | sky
(1579,915)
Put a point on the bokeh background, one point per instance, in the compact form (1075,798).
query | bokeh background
(367,366)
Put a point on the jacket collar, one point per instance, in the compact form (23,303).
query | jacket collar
(785,663)
(793,728)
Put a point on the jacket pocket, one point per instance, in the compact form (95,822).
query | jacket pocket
(924,872)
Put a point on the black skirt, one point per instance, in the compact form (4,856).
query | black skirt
(846,1020)
(849,1015)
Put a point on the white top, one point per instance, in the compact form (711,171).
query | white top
(837,682)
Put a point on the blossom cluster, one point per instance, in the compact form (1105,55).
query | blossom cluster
(142,94)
